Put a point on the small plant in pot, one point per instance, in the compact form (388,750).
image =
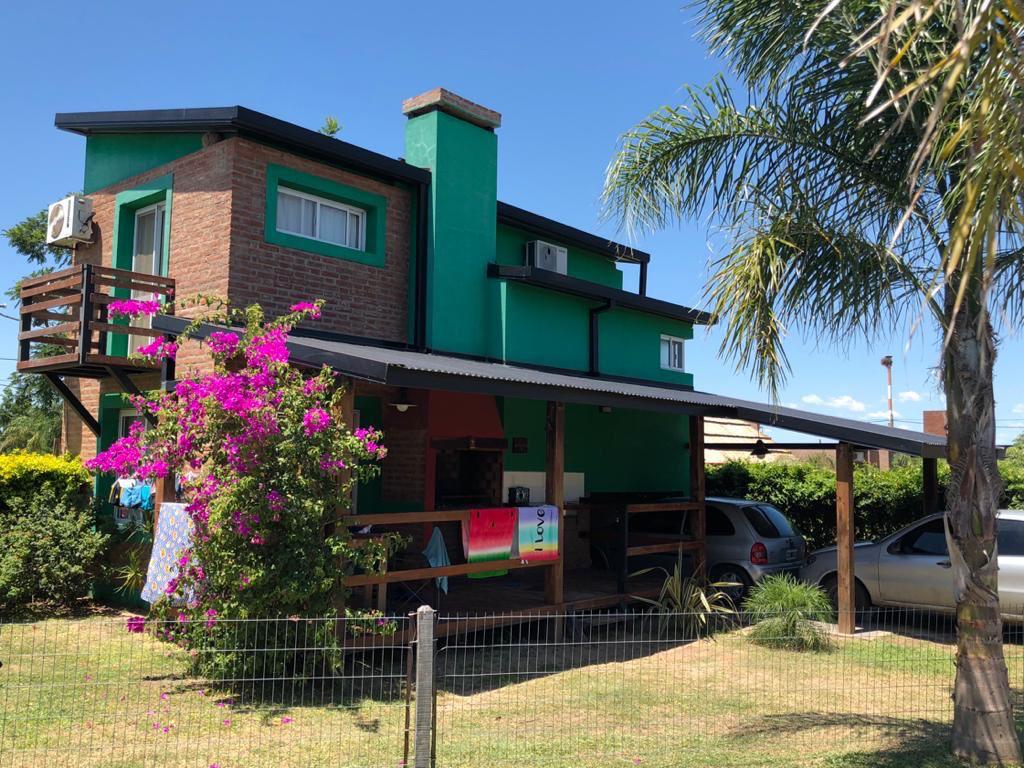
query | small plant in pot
(787,613)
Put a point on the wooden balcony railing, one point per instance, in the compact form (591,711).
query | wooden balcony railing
(68,309)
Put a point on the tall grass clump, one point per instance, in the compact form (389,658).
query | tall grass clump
(787,613)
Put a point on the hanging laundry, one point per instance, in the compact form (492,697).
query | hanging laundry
(173,535)
(488,535)
(537,537)
(437,555)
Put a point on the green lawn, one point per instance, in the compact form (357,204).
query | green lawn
(84,692)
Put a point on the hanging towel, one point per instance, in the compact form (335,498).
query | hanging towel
(488,535)
(173,534)
(437,555)
(538,533)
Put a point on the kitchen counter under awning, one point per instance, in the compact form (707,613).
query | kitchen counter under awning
(402,367)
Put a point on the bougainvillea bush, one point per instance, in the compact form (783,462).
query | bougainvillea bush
(265,465)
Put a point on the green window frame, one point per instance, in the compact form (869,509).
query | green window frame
(126,205)
(375,206)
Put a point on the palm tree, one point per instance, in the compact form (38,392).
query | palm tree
(855,195)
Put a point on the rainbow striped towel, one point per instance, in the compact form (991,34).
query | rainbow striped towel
(488,535)
(538,533)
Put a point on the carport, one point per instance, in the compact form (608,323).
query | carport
(410,370)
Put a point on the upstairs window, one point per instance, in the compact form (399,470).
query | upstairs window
(320,219)
(671,353)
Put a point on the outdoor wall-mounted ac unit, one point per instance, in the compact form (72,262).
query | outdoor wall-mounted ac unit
(69,221)
(547,256)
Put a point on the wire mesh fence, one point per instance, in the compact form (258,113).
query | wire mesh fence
(89,692)
(599,688)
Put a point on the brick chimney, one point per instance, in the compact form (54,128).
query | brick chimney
(934,422)
(454,137)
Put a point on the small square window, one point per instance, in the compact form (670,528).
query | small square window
(320,219)
(672,353)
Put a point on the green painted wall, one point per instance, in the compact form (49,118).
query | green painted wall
(585,265)
(630,345)
(624,450)
(110,158)
(463,159)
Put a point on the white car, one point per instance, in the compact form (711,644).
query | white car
(912,568)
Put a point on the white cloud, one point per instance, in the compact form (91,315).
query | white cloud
(910,396)
(1018,408)
(842,403)
(884,415)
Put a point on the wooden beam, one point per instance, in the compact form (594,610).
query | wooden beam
(554,492)
(698,492)
(461,569)
(930,471)
(844,539)
(74,402)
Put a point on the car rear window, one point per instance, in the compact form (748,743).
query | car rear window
(768,521)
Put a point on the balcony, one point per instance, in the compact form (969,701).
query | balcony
(68,309)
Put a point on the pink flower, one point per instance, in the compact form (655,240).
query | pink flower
(222,343)
(227,723)
(132,308)
(159,349)
(275,501)
(136,624)
(285,720)
(313,387)
(315,420)
(307,306)
(211,618)
(268,349)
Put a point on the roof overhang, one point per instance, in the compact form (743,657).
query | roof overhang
(424,370)
(566,235)
(240,121)
(545,278)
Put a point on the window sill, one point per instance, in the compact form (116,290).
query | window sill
(300,243)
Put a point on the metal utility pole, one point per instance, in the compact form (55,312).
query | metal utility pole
(887,364)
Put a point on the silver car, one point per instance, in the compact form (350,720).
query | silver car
(911,567)
(748,540)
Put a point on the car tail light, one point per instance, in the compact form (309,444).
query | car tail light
(759,554)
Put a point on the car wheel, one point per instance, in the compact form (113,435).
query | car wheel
(861,598)
(734,575)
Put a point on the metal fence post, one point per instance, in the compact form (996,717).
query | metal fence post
(424,686)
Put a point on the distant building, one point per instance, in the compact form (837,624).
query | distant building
(934,422)
(723,430)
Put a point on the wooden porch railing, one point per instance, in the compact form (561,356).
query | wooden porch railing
(420,574)
(68,309)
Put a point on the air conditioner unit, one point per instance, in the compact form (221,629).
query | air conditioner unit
(69,221)
(546,256)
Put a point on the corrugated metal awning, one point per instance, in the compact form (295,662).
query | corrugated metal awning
(427,370)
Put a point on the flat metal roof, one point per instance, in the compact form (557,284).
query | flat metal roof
(403,367)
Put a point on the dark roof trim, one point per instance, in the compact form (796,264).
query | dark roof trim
(544,278)
(248,124)
(563,233)
(405,368)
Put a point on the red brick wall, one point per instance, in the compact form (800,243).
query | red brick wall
(362,300)
(217,247)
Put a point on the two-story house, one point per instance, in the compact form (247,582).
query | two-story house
(496,348)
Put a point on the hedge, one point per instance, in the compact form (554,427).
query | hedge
(50,545)
(885,501)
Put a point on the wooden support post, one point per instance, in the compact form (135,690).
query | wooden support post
(165,491)
(844,539)
(698,491)
(554,491)
(930,470)
(345,412)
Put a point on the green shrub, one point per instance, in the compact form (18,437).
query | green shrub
(806,493)
(787,613)
(50,547)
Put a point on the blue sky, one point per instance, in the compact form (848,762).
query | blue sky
(567,77)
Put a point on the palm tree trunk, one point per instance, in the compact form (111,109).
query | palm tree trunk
(983,725)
